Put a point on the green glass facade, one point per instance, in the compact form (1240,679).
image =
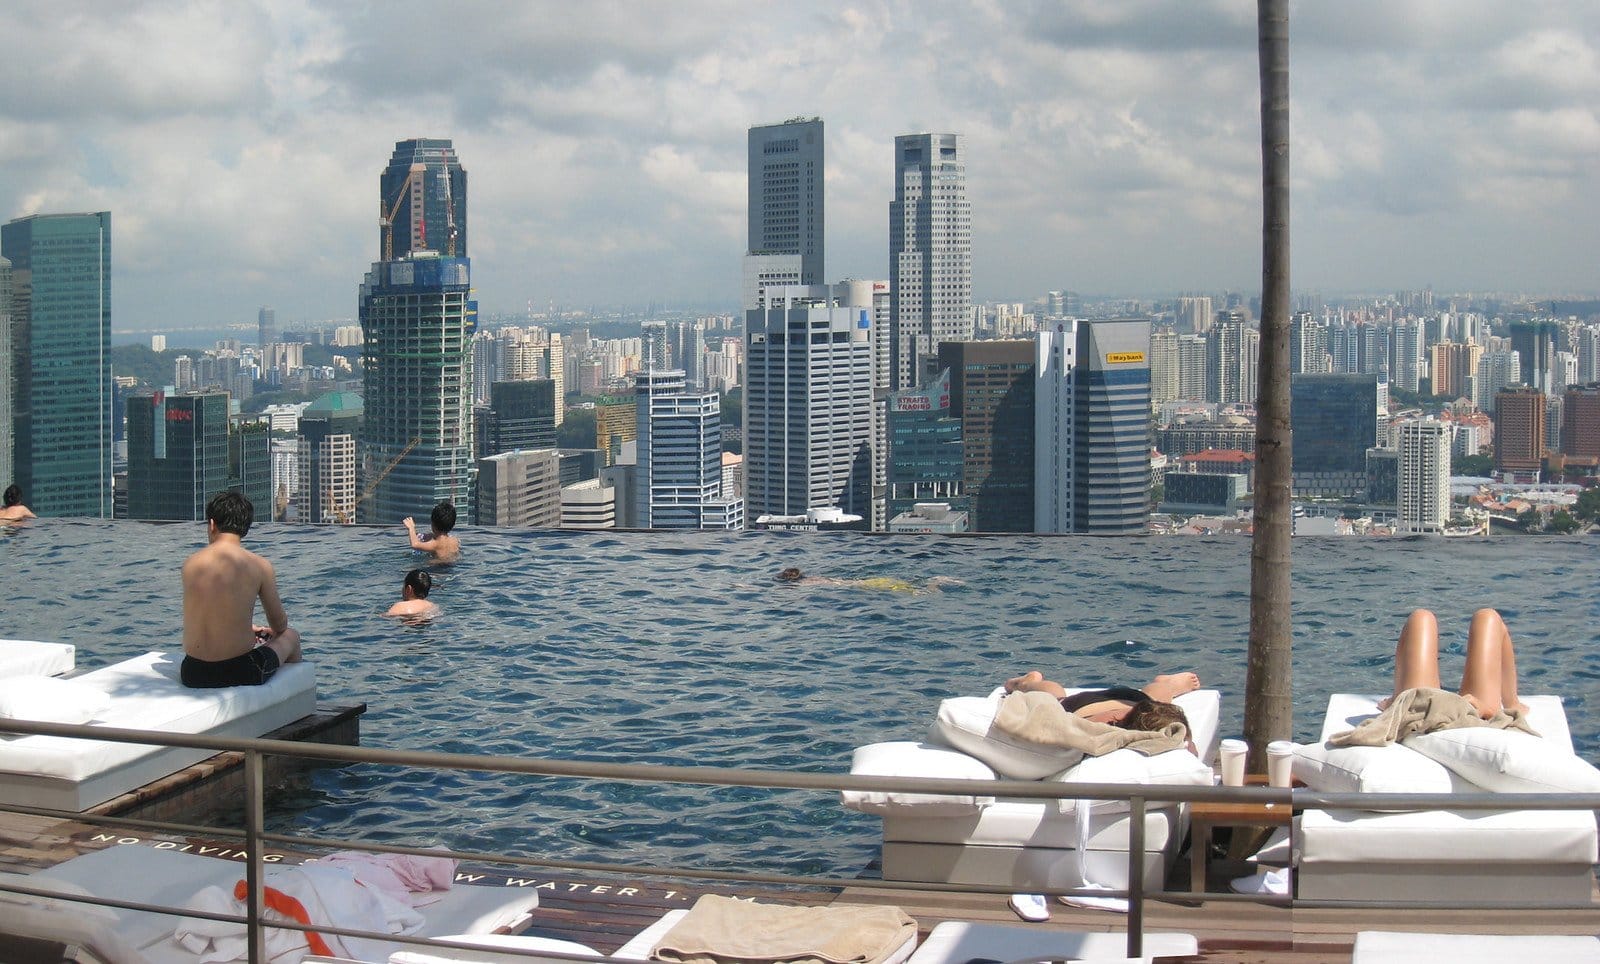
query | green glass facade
(61,338)
(416,437)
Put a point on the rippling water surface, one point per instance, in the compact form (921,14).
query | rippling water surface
(678,648)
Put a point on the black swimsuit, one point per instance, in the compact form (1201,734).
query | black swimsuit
(1077,701)
(246,669)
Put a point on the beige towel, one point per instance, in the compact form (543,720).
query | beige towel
(1424,710)
(722,930)
(1040,718)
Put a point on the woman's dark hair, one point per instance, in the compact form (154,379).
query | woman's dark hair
(443,517)
(790,574)
(13,495)
(232,512)
(420,582)
(1154,716)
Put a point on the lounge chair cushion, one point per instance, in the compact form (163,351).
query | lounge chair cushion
(46,699)
(905,759)
(1175,767)
(1508,761)
(11,899)
(496,949)
(966,723)
(1374,769)
(27,657)
(1396,947)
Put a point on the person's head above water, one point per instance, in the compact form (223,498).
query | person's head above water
(13,495)
(231,512)
(790,574)
(419,582)
(443,517)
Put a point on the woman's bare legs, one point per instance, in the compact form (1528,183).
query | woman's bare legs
(1416,655)
(1034,682)
(1490,678)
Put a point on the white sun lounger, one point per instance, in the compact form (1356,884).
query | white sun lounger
(141,873)
(145,693)
(1399,947)
(26,657)
(1443,854)
(955,942)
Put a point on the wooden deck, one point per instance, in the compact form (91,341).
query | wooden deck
(605,911)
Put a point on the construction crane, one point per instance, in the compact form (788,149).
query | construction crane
(386,215)
(344,518)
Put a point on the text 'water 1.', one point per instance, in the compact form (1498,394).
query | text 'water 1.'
(684,649)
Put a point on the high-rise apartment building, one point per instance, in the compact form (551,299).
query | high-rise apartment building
(1535,345)
(266,326)
(61,339)
(1580,421)
(1453,364)
(1306,351)
(1405,353)
(422,197)
(1424,484)
(1519,431)
(416,442)
(1193,357)
(1497,371)
(991,392)
(616,420)
(520,489)
(1232,353)
(1335,421)
(785,207)
(808,413)
(678,480)
(1587,343)
(930,253)
(1092,427)
(1194,315)
(1165,376)
(328,428)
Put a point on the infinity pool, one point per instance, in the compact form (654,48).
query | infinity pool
(680,648)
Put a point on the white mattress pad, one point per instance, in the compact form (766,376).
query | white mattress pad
(1026,823)
(1529,836)
(26,657)
(146,694)
(1545,715)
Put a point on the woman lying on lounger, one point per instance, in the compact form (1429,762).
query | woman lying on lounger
(1150,708)
(1489,681)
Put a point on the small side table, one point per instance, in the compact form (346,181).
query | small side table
(1205,816)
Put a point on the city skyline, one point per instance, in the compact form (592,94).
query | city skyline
(1113,148)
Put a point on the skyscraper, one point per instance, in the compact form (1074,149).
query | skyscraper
(1535,345)
(266,326)
(1519,431)
(1231,359)
(422,200)
(1194,315)
(520,488)
(1405,353)
(785,207)
(177,454)
(991,392)
(1092,427)
(930,253)
(7,447)
(416,442)
(521,415)
(1580,421)
(1424,489)
(61,335)
(1335,420)
(679,474)
(925,454)
(808,416)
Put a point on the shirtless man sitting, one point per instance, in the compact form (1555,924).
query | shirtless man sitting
(221,584)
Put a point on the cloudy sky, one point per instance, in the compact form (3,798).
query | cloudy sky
(1112,145)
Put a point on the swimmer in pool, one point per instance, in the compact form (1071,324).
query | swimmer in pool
(14,510)
(438,543)
(414,602)
(795,577)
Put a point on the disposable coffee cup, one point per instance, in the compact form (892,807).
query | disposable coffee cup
(1232,753)
(1280,763)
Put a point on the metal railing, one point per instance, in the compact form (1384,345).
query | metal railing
(1139,799)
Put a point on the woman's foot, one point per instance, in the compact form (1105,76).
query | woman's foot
(1024,682)
(1171,686)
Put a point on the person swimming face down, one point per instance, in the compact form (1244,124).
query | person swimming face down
(790,574)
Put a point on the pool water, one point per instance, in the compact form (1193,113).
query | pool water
(680,648)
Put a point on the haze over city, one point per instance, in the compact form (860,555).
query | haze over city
(1113,147)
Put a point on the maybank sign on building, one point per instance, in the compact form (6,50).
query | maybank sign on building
(1125,358)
